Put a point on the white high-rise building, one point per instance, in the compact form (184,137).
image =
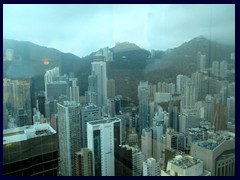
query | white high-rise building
(143,105)
(151,167)
(89,113)
(102,136)
(99,69)
(69,129)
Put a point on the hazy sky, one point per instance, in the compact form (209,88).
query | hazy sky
(82,29)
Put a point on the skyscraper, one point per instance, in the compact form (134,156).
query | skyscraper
(111,88)
(74,90)
(103,136)
(69,129)
(143,105)
(147,143)
(99,69)
(89,113)
(83,160)
(223,69)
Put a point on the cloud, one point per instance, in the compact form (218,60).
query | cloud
(81,29)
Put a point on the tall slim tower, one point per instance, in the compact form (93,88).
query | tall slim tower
(103,137)
(99,69)
(143,105)
(74,90)
(69,129)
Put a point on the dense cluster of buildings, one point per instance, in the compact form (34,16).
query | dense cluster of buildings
(185,128)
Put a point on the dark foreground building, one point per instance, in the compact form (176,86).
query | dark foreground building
(30,151)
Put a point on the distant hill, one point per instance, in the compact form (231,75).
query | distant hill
(130,64)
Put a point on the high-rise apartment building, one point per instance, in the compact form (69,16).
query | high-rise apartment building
(103,136)
(69,130)
(17,101)
(143,105)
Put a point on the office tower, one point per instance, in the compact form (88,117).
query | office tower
(30,151)
(147,140)
(215,68)
(217,153)
(51,112)
(69,130)
(41,103)
(223,69)
(223,94)
(111,88)
(50,76)
(159,129)
(123,160)
(89,113)
(83,160)
(175,140)
(117,105)
(16,95)
(99,70)
(103,136)
(151,112)
(151,167)
(21,117)
(196,79)
(56,89)
(143,105)
(231,109)
(185,166)
(91,93)
(173,121)
(74,90)
(187,121)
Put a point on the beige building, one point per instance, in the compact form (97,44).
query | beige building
(217,153)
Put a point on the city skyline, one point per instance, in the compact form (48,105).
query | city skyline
(109,24)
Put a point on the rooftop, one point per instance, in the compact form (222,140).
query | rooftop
(104,121)
(184,161)
(26,132)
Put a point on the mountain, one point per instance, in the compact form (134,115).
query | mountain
(130,64)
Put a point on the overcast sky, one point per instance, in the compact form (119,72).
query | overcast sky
(82,29)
